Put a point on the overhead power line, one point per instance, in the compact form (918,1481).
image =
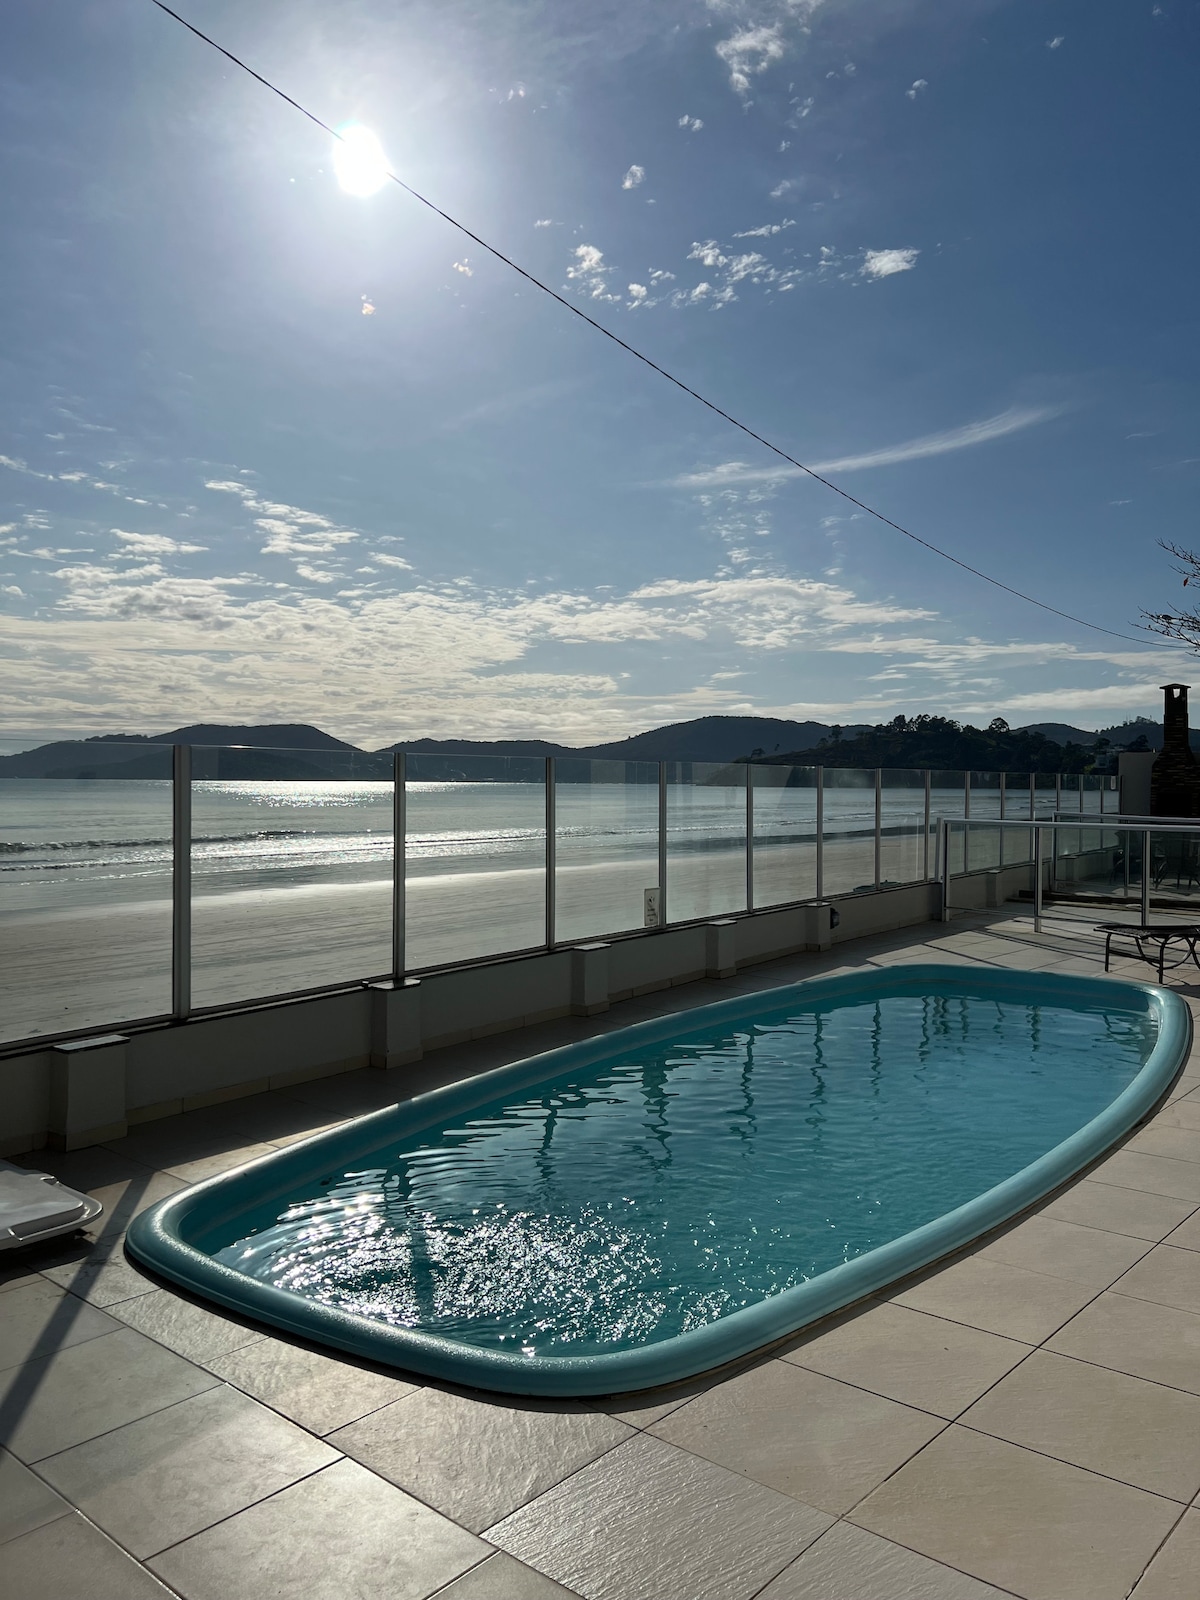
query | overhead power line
(639,355)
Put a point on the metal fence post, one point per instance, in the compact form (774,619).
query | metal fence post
(878,826)
(944,853)
(966,818)
(1145,876)
(662,844)
(181,881)
(399,862)
(749,837)
(1003,812)
(820,833)
(1037,880)
(928,808)
(551,843)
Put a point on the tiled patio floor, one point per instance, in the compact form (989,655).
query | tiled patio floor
(1023,1421)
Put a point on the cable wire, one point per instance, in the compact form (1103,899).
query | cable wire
(639,355)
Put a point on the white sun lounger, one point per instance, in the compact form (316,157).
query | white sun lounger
(35,1206)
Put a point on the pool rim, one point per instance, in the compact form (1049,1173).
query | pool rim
(155,1238)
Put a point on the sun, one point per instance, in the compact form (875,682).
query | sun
(358,160)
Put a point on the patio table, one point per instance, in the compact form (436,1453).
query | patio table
(1160,934)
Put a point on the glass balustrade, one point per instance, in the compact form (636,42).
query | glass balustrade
(606,851)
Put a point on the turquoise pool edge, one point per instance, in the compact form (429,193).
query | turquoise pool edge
(156,1237)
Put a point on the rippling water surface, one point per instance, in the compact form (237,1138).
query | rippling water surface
(674,1185)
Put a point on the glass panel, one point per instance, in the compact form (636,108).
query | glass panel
(606,824)
(706,839)
(1015,847)
(849,845)
(983,844)
(476,860)
(1174,870)
(949,797)
(1092,862)
(85,887)
(291,870)
(785,834)
(1045,795)
(902,845)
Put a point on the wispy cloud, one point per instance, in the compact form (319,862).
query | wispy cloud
(633,177)
(884,263)
(919,87)
(767,230)
(147,544)
(749,52)
(589,273)
(1053,44)
(692,124)
(1014,420)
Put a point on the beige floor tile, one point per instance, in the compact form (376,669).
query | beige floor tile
(1042,1528)
(222,1161)
(163,1478)
(474,1458)
(848,1563)
(1109,1422)
(1168,1276)
(320,1392)
(61,1400)
(1183,1113)
(101,1279)
(923,1361)
(1172,1575)
(90,1169)
(1135,1169)
(649,1522)
(1159,1139)
(799,1432)
(1066,1250)
(25,1501)
(1010,1301)
(1187,1235)
(68,1559)
(1113,1210)
(125,1200)
(339,1533)
(1136,1336)
(501,1577)
(626,1409)
(40,1318)
(188,1329)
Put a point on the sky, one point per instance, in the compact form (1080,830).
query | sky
(275,451)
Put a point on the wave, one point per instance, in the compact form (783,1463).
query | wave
(26,847)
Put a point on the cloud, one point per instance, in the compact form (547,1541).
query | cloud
(767,230)
(919,87)
(633,177)
(692,124)
(461,266)
(545,222)
(750,52)
(589,273)
(11,588)
(1053,44)
(885,263)
(393,561)
(290,530)
(147,544)
(1014,420)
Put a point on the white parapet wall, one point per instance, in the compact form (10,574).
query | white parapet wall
(72,1099)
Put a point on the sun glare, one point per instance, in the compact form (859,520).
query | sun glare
(358,160)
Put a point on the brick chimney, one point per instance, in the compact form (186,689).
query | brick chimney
(1175,775)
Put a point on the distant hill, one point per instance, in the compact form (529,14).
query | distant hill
(301,751)
(119,756)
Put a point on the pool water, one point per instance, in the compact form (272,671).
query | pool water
(678,1181)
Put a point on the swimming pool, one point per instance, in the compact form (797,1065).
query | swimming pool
(661,1199)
